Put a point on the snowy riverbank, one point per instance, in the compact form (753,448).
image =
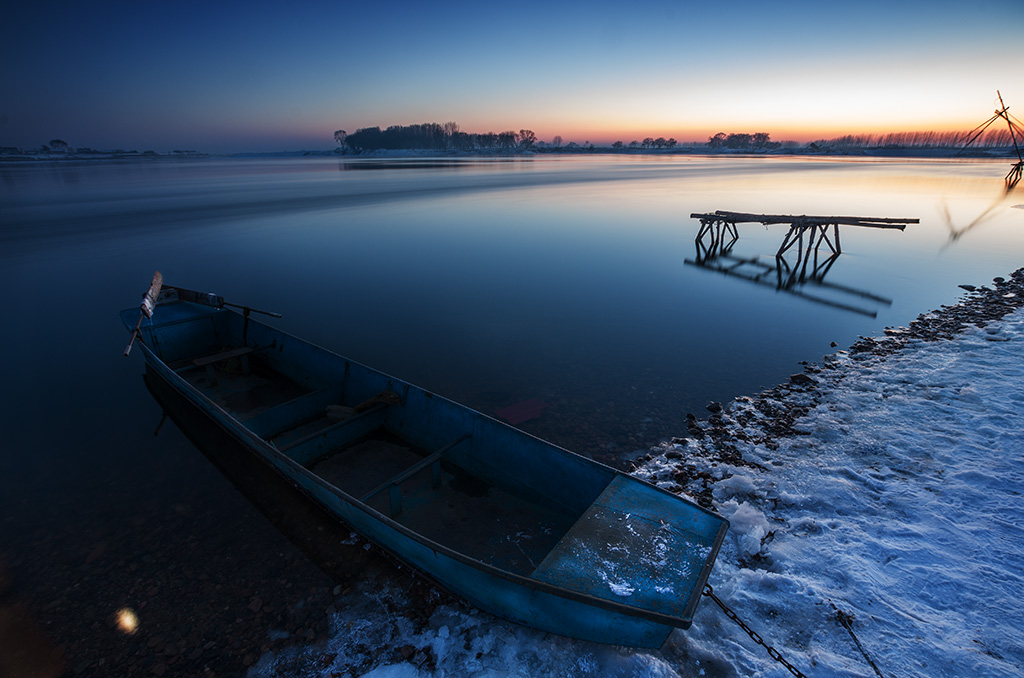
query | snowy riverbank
(877,528)
(892,496)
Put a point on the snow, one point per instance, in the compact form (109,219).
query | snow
(889,531)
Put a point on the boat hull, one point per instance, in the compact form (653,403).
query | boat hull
(548,602)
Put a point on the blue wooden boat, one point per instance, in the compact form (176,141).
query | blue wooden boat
(517,526)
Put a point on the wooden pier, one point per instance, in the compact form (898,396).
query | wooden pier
(815,228)
(718,234)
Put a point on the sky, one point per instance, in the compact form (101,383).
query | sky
(263,76)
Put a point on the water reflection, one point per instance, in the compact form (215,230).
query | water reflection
(956,232)
(718,235)
(357,164)
(127,620)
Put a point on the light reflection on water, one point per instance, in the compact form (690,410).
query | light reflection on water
(489,282)
(497,281)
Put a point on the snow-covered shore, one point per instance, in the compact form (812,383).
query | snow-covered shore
(882,487)
(877,528)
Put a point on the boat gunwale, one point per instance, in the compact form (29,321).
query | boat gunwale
(267,451)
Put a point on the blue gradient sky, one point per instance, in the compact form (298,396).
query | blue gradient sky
(259,76)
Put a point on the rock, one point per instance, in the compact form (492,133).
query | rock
(407,651)
(714,406)
(256,604)
(98,550)
(801,380)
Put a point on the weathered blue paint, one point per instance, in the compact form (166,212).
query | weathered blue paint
(626,565)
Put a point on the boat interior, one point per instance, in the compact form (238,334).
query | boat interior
(460,479)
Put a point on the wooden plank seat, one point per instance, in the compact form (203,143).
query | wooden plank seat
(310,447)
(209,361)
(393,485)
(223,355)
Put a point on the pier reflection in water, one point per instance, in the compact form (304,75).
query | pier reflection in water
(803,277)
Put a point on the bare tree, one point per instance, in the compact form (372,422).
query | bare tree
(450,130)
(526,138)
(339,137)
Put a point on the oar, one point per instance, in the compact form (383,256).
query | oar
(147,307)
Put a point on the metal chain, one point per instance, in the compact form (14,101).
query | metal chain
(772,652)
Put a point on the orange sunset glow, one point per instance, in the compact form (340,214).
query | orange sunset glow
(269,80)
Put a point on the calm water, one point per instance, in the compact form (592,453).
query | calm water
(491,282)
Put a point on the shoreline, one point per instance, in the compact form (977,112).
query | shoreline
(768,416)
(771,568)
(875,496)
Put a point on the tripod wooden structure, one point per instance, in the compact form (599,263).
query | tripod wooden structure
(1017,169)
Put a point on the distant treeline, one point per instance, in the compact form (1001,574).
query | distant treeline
(448,137)
(433,136)
(953,140)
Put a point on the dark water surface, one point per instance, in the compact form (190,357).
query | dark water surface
(491,282)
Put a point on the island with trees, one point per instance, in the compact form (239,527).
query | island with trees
(448,138)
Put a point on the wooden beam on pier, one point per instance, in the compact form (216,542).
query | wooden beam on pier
(803,219)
